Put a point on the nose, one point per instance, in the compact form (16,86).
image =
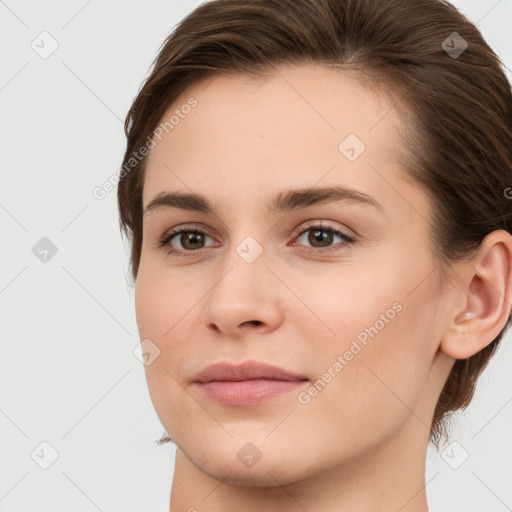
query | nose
(246,297)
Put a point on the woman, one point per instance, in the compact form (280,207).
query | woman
(317,198)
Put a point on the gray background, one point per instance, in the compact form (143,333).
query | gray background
(68,373)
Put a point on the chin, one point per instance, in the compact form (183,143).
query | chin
(268,473)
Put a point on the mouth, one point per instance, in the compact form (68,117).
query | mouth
(246,384)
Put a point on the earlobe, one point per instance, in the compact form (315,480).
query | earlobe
(486,283)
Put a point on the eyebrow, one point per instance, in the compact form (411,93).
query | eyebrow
(284,201)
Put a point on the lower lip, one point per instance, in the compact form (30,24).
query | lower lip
(247,392)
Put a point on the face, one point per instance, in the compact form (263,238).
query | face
(338,289)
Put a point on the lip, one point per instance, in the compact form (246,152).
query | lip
(249,370)
(248,383)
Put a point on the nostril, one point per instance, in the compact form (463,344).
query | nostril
(254,322)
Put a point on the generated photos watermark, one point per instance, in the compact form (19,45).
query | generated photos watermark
(101,191)
(304,397)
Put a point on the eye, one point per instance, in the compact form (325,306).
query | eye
(190,239)
(321,237)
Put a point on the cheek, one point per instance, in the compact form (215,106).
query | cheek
(373,394)
(159,302)
(167,312)
(380,353)
(157,312)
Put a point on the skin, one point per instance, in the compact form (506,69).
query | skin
(360,444)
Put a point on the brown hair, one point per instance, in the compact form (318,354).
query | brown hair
(459,106)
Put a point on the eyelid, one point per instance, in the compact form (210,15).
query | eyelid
(170,233)
(349,238)
(297,231)
(325,224)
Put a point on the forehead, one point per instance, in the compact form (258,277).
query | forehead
(265,134)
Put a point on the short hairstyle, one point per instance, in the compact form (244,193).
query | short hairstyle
(454,102)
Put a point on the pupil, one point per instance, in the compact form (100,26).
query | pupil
(192,239)
(317,236)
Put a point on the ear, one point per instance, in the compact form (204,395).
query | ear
(485,283)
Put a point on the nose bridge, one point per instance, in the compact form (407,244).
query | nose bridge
(243,269)
(241,293)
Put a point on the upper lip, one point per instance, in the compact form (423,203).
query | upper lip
(224,371)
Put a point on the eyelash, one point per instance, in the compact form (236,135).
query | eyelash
(168,236)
